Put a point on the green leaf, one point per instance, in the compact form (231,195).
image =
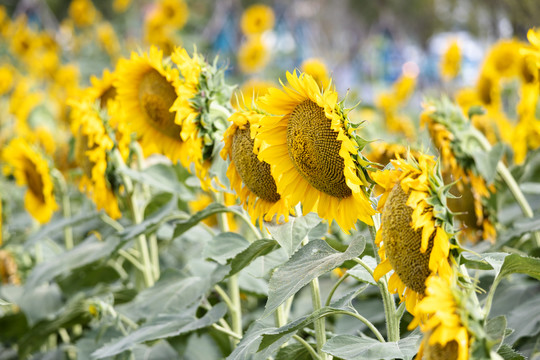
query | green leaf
(151,223)
(161,177)
(519,228)
(486,162)
(308,263)
(350,347)
(516,263)
(290,234)
(361,274)
(84,253)
(160,351)
(41,302)
(530,188)
(508,353)
(495,328)
(181,226)
(57,226)
(169,295)
(271,336)
(486,261)
(256,249)
(524,320)
(294,351)
(225,246)
(249,344)
(4,302)
(163,326)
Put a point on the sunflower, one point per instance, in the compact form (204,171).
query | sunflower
(245,96)
(145,89)
(7,78)
(533,35)
(30,168)
(253,55)
(83,12)
(202,108)
(414,238)
(257,19)
(503,58)
(439,314)
(120,6)
(250,177)
(91,152)
(473,207)
(451,61)
(313,153)
(317,69)
(108,39)
(173,12)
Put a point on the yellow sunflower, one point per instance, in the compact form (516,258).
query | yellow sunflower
(30,168)
(313,152)
(108,39)
(503,58)
(533,35)
(253,55)
(446,336)
(5,22)
(7,78)
(414,239)
(317,69)
(472,207)
(173,12)
(250,177)
(83,12)
(245,96)
(145,89)
(257,19)
(91,152)
(120,6)
(451,61)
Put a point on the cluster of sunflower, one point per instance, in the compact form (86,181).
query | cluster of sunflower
(162,24)
(253,54)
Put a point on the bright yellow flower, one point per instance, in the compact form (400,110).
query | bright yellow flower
(5,22)
(257,19)
(250,177)
(120,6)
(313,153)
(30,168)
(253,55)
(445,335)
(173,12)
(317,69)
(83,12)
(108,40)
(414,239)
(533,35)
(7,78)
(145,88)
(245,96)
(503,58)
(451,61)
(21,103)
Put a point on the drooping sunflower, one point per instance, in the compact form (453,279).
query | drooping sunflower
(92,146)
(313,152)
(451,61)
(202,107)
(253,55)
(317,69)
(30,168)
(145,89)
(473,207)
(250,177)
(414,237)
(440,316)
(257,19)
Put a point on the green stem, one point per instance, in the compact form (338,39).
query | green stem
(309,348)
(505,174)
(154,255)
(224,296)
(66,207)
(334,288)
(320,331)
(364,320)
(227,331)
(111,222)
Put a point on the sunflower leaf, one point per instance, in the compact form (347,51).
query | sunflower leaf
(508,353)
(350,347)
(161,177)
(311,261)
(486,162)
(496,328)
(258,248)
(181,226)
(290,234)
(225,246)
(515,263)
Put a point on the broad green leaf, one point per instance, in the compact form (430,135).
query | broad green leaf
(524,319)
(515,263)
(486,162)
(160,351)
(57,226)
(161,327)
(495,328)
(161,177)
(41,302)
(169,295)
(308,263)
(294,351)
(256,249)
(507,353)
(201,346)
(249,344)
(151,223)
(361,274)
(225,246)
(350,347)
(486,261)
(181,226)
(290,234)
(519,228)
(90,250)
(271,336)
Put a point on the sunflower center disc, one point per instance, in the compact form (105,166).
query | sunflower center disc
(254,173)
(156,96)
(439,352)
(107,95)
(314,150)
(402,242)
(33,179)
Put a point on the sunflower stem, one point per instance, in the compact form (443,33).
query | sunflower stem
(505,174)
(234,287)
(309,348)
(66,206)
(334,288)
(320,331)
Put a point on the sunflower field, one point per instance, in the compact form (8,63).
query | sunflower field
(239,180)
